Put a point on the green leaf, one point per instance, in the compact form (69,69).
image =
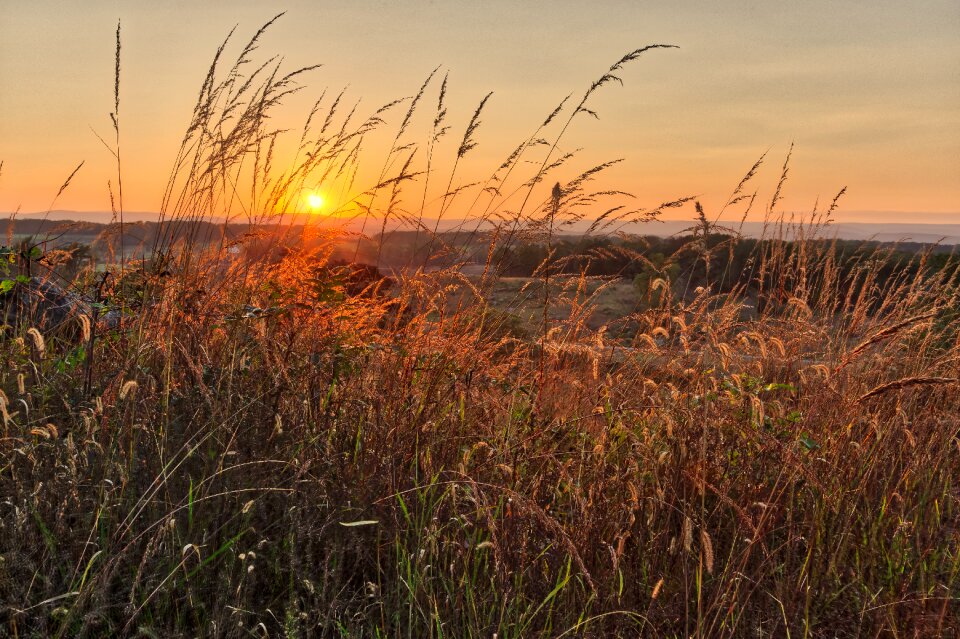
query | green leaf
(362,522)
(777,386)
(219,551)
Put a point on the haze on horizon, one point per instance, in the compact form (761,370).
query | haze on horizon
(868,92)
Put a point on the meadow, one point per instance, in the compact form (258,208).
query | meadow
(226,436)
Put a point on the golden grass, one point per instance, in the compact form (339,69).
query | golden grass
(251,450)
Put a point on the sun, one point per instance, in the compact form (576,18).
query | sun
(315,201)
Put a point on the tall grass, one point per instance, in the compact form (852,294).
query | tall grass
(257,453)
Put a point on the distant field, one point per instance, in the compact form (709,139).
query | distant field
(524,297)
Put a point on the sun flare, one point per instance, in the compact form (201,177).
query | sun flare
(315,201)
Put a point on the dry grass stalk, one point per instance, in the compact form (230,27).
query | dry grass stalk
(128,389)
(906,382)
(883,334)
(706,545)
(656,589)
(38,342)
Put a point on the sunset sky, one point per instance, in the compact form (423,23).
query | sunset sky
(868,91)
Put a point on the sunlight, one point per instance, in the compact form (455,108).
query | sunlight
(315,201)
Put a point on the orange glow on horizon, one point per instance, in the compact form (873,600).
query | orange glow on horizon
(860,114)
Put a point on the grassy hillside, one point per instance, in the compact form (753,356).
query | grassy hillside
(271,443)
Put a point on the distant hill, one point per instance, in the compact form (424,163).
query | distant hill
(946,231)
(886,232)
(93,217)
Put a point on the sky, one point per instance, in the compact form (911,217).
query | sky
(868,92)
